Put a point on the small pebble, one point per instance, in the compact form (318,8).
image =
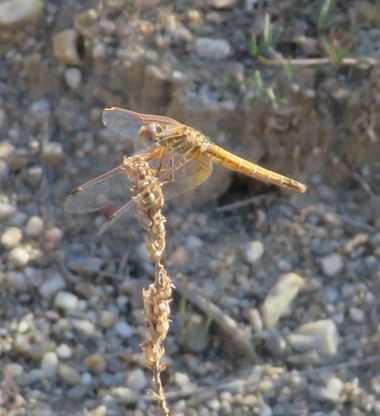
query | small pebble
(13,12)
(126,395)
(107,319)
(213,49)
(193,243)
(86,379)
(85,327)
(49,364)
(7,211)
(275,343)
(11,237)
(124,330)
(23,327)
(14,370)
(34,175)
(136,380)
(52,152)
(64,351)
(356,314)
(69,375)
(53,236)
(51,286)
(182,380)
(66,300)
(87,265)
(222,4)
(19,256)
(96,363)
(323,337)
(332,264)
(280,297)
(331,393)
(73,77)
(34,227)
(253,251)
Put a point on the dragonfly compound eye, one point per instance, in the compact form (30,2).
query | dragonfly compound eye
(150,133)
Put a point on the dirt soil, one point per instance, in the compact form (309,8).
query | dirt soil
(277,307)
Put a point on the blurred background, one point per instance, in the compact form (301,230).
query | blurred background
(277,310)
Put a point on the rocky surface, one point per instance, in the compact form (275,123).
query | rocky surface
(296,277)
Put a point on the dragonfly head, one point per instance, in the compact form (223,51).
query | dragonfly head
(150,133)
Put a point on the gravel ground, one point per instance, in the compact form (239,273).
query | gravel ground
(276,310)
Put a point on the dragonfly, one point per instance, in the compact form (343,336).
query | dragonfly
(181,158)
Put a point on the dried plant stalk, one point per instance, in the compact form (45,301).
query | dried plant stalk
(149,201)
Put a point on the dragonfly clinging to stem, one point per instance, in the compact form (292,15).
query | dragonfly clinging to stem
(182,158)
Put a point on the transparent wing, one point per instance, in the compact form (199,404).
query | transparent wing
(178,171)
(109,189)
(127,123)
(192,174)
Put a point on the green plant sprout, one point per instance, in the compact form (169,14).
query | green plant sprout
(325,15)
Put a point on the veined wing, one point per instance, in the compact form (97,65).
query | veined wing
(127,123)
(181,172)
(109,189)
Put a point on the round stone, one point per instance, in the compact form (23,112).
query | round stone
(213,49)
(19,256)
(136,380)
(332,264)
(253,251)
(73,78)
(34,226)
(64,351)
(49,364)
(11,237)
(69,375)
(66,300)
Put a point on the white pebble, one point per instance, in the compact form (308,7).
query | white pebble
(281,295)
(125,395)
(253,251)
(212,48)
(332,264)
(11,237)
(324,337)
(356,314)
(7,211)
(34,226)
(64,351)
(14,369)
(124,330)
(136,380)
(49,364)
(66,300)
(73,78)
(13,12)
(23,327)
(84,326)
(19,256)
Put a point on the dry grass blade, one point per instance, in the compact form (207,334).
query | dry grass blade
(149,201)
(228,325)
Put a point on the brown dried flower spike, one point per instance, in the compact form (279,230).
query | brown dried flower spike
(149,201)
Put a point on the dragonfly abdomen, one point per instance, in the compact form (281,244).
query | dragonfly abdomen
(238,164)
